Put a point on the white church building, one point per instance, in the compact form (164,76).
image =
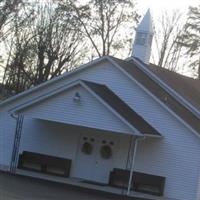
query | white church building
(125,125)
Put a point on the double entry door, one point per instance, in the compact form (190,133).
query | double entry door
(96,155)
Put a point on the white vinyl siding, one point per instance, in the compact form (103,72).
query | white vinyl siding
(88,112)
(176,156)
(48,138)
(61,140)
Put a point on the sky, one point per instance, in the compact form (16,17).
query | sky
(157,6)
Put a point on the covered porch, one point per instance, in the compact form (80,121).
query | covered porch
(105,190)
(84,132)
(96,159)
(20,186)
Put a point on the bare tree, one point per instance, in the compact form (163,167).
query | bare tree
(166,38)
(47,38)
(43,48)
(7,10)
(190,39)
(103,22)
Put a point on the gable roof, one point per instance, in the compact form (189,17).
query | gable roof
(124,112)
(122,108)
(54,80)
(187,87)
(189,116)
(161,93)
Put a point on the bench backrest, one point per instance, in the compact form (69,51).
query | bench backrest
(45,159)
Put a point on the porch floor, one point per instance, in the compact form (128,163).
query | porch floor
(89,186)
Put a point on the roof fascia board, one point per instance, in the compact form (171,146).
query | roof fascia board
(172,92)
(54,80)
(153,136)
(43,97)
(155,98)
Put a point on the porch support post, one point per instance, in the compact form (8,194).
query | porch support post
(133,163)
(17,138)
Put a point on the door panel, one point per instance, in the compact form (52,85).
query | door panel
(85,160)
(105,157)
(96,164)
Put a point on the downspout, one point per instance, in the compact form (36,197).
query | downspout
(133,163)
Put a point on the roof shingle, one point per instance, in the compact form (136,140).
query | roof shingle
(186,87)
(122,108)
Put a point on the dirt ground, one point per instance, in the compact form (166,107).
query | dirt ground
(22,188)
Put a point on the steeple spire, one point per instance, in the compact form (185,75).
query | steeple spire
(143,39)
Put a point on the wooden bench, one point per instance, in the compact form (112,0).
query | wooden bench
(119,178)
(44,163)
(141,182)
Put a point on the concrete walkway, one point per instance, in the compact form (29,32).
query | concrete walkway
(24,188)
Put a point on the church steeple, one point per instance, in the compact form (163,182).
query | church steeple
(143,39)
